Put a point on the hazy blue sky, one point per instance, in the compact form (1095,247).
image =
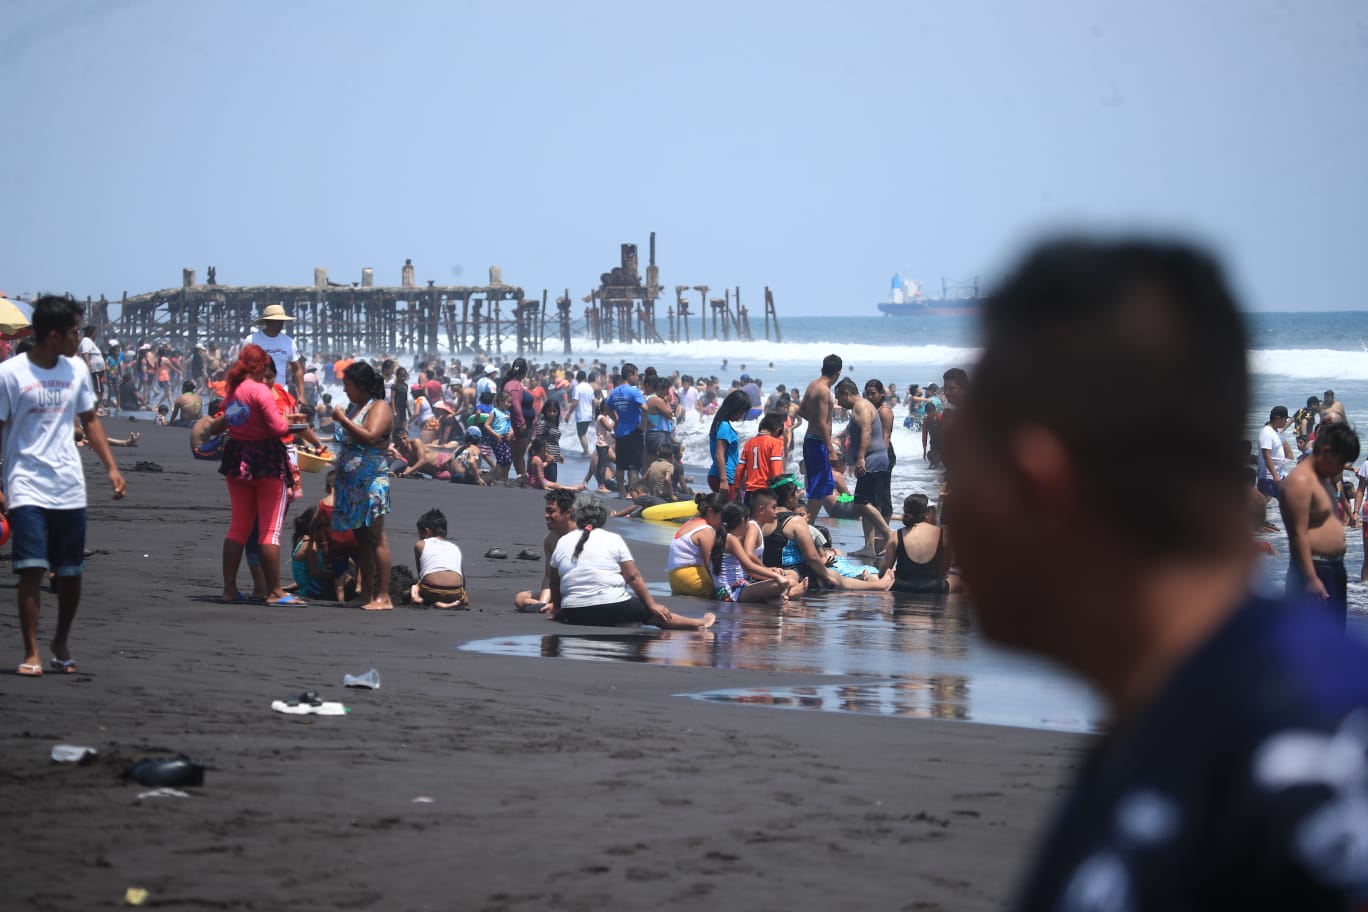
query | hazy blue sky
(813,147)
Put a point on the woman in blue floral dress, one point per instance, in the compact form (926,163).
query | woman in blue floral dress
(361,489)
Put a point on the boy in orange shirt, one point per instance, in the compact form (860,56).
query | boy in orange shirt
(762,457)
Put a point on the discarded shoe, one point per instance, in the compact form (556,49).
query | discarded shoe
(529,554)
(497,553)
(307,698)
(167,771)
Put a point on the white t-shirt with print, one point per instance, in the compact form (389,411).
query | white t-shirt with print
(595,578)
(282,351)
(38,407)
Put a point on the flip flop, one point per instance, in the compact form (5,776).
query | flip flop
(497,553)
(26,670)
(63,666)
(239,600)
(288,601)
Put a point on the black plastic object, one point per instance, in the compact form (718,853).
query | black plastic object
(170,772)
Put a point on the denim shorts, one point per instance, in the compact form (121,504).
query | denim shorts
(48,539)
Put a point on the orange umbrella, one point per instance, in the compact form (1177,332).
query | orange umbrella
(13,323)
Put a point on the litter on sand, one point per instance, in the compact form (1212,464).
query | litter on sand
(370,679)
(72,753)
(310,709)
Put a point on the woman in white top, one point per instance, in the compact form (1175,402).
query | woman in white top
(594,580)
(441,581)
(689,565)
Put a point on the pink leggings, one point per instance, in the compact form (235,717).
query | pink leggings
(261,500)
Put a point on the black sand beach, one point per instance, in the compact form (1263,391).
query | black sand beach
(467,781)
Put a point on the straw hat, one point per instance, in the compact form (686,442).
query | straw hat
(273,312)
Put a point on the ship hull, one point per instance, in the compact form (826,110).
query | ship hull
(953,307)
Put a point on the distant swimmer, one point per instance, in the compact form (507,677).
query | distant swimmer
(1315,530)
(815,409)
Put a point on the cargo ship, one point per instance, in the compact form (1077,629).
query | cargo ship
(906,299)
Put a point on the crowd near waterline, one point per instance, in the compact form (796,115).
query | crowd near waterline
(756,525)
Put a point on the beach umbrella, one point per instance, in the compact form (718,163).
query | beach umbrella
(13,323)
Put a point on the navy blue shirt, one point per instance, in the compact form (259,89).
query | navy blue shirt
(1244,785)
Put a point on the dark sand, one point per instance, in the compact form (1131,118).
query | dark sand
(552,784)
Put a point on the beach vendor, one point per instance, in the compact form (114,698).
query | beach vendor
(257,470)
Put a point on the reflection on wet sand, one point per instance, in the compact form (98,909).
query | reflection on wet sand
(928,657)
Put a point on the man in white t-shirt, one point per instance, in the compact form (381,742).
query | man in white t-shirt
(1274,452)
(90,353)
(486,382)
(289,363)
(42,392)
(688,397)
(584,408)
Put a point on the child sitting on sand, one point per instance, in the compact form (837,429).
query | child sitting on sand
(338,547)
(441,584)
(537,466)
(308,564)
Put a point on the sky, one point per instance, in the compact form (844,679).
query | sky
(814,147)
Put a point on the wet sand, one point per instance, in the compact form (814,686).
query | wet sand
(468,781)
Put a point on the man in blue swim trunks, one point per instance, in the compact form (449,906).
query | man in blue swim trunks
(815,409)
(1234,771)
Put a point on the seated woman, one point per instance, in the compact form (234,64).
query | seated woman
(921,561)
(740,575)
(441,582)
(691,551)
(595,581)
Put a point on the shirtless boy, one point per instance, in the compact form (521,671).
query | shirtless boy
(815,409)
(869,459)
(1315,532)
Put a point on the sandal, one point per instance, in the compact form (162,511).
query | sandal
(497,553)
(288,601)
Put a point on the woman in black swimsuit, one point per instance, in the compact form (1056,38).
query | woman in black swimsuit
(921,559)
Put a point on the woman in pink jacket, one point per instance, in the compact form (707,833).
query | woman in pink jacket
(257,469)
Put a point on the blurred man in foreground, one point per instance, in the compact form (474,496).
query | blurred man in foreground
(1235,771)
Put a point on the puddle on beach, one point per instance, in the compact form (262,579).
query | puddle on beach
(910,659)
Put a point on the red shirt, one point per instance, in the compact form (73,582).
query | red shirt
(762,458)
